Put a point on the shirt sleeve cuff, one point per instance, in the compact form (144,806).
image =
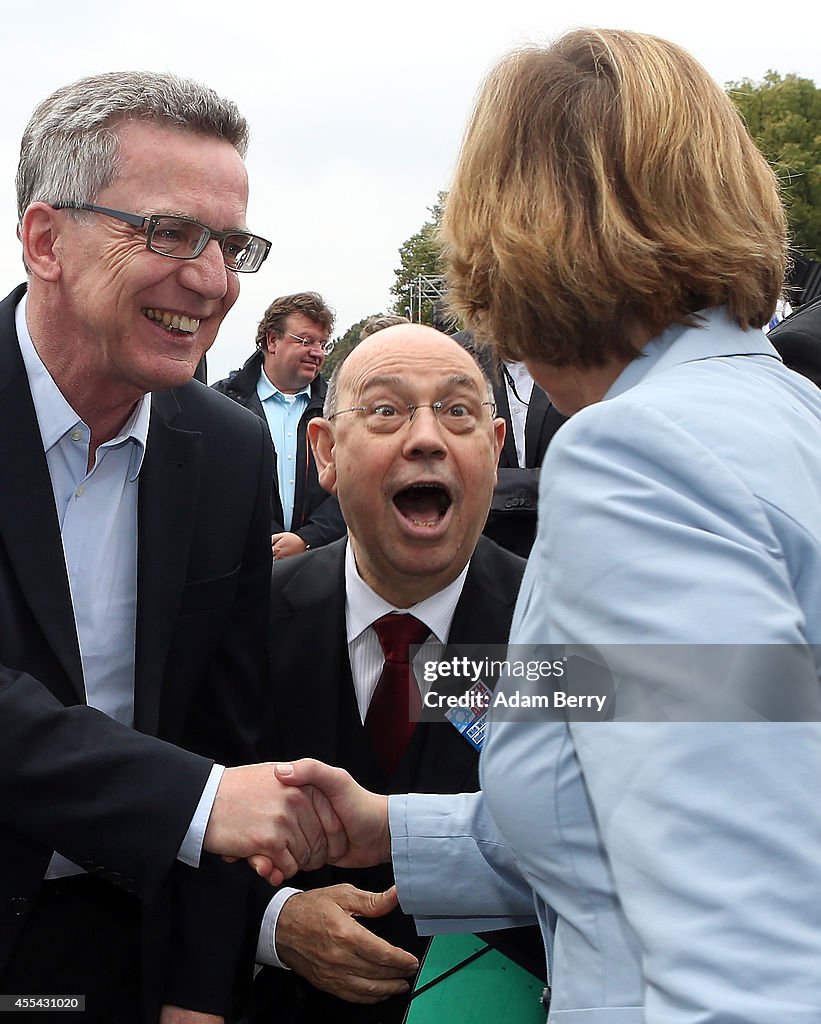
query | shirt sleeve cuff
(191,848)
(266,944)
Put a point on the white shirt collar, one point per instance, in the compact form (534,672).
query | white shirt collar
(363,606)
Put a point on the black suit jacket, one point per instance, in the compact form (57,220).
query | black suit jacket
(314,714)
(107,797)
(514,509)
(798,340)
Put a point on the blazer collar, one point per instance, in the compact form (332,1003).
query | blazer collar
(169,491)
(715,336)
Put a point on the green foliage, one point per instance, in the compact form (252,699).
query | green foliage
(420,254)
(349,340)
(784,118)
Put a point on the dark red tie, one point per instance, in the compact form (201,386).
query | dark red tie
(394,708)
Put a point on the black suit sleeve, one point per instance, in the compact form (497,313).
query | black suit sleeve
(324,525)
(95,789)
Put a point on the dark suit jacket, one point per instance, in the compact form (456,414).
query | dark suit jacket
(105,796)
(798,340)
(316,518)
(514,509)
(314,714)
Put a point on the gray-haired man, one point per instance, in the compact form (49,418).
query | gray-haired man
(132,581)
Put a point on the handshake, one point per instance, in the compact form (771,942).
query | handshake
(285,818)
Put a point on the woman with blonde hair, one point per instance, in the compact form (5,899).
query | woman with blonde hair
(613,225)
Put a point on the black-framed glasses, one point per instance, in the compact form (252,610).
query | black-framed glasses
(458,415)
(308,342)
(182,238)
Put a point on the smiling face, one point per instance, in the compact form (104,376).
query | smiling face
(415,499)
(289,365)
(131,320)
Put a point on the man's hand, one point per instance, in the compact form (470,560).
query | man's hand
(284,545)
(176,1015)
(318,938)
(364,815)
(292,829)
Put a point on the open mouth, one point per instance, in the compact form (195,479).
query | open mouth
(172,321)
(424,505)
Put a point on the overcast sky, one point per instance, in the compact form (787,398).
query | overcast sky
(356,108)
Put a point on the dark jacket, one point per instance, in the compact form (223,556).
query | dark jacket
(317,518)
(514,509)
(798,340)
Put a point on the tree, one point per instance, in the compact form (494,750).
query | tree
(420,254)
(784,118)
(349,340)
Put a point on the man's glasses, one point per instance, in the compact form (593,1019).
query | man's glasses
(458,415)
(184,239)
(306,342)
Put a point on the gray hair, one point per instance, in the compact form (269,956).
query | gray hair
(329,405)
(69,151)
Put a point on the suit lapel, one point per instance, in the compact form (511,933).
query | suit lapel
(507,458)
(29,527)
(168,493)
(535,443)
(485,608)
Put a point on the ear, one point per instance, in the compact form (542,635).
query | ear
(321,436)
(40,233)
(499,431)
(270,342)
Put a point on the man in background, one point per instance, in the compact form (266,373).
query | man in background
(281,383)
(531,421)
(379,323)
(798,340)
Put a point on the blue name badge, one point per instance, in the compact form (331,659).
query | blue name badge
(470,717)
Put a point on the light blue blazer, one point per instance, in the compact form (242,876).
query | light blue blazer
(674,865)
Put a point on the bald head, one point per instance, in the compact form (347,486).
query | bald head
(394,339)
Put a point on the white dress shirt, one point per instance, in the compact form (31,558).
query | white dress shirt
(518,405)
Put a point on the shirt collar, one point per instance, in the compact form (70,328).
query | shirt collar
(267,389)
(363,606)
(714,335)
(56,417)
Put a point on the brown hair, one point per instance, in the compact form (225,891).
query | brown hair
(607,185)
(310,304)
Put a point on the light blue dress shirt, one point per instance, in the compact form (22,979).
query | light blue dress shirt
(283,413)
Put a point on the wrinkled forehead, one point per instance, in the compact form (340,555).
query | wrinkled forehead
(416,371)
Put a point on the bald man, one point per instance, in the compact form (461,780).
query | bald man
(409,443)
